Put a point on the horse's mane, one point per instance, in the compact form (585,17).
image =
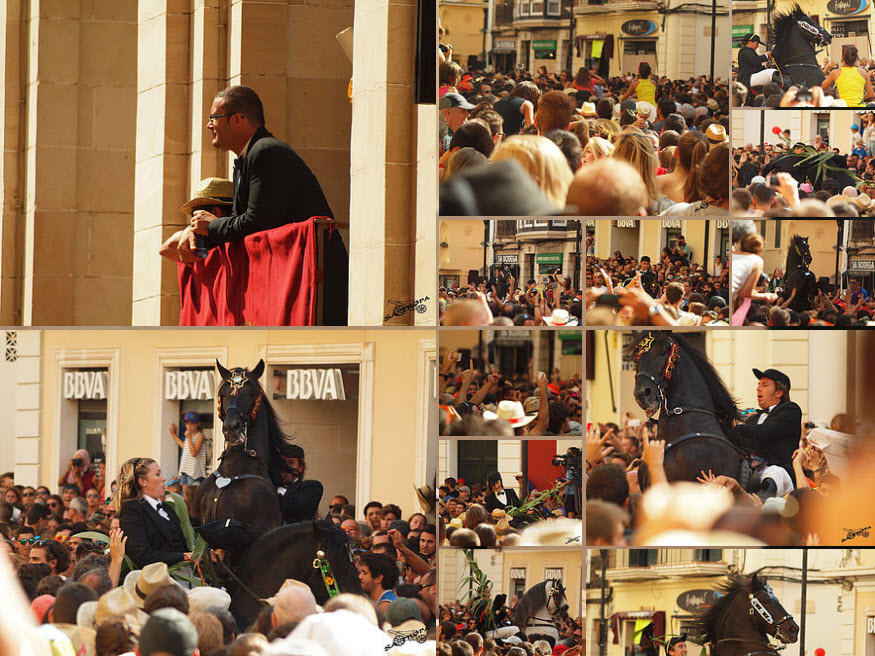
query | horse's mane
(533,599)
(707,626)
(785,21)
(725,405)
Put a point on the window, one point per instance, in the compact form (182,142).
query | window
(517,581)
(708,555)
(554,8)
(642,557)
(537,9)
(862,229)
(524,7)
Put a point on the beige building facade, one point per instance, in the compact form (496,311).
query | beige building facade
(673,37)
(834,127)
(639,237)
(464,23)
(513,571)
(104,138)
(117,392)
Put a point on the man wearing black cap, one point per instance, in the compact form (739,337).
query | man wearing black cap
(299,499)
(773,433)
(749,62)
(499,498)
(677,646)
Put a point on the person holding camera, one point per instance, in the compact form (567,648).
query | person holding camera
(78,472)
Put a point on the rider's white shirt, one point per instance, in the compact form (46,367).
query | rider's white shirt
(502,497)
(765,415)
(154,503)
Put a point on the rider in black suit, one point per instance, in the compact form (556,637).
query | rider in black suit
(499,498)
(773,433)
(749,62)
(299,499)
(152,527)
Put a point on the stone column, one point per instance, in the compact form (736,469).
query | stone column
(383,163)
(162,154)
(28,406)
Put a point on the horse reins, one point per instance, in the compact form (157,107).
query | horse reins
(757,606)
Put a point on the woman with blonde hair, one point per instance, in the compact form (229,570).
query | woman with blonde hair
(153,528)
(597,148)
(542,160)
(636,148)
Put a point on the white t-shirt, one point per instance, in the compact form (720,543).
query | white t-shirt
(743,265)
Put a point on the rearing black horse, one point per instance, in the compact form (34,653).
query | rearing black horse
(798,277)
(696,411)
(738,623)
(244,486)
(794,42)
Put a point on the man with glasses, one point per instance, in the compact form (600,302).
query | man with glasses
(272,186)
(24,541)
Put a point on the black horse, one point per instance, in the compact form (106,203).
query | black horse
(288,552)
(794,42)
(798,277)
(244,486)
(696,411)
(738,623)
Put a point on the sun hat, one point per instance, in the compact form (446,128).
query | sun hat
(205,596)
(510,411)
(141,582)
(208,192)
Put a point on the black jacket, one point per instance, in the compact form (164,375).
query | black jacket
(300,501)
(151,538)
(272,187)
(749,62)
(776,438)
(492,502)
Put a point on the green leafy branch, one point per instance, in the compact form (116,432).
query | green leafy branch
(477,589)
(536,501)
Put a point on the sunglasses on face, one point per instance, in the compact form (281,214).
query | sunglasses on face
(28,540)
(28,494)
(53,504)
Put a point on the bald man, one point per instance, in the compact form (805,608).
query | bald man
(608,187)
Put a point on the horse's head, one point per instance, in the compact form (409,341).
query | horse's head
(655,355)
(768,614)
(795,24)
(239,398)
(556,601)
(799,245)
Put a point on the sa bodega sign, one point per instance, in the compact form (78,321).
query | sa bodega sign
(185,385)
(639,27)
(85,385)
(315,385)
(846,7)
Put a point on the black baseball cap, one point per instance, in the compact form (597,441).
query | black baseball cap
(671,643)
(773,374)
(747,38)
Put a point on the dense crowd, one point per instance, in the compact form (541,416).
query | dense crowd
(676,291)
(762,299)
(486,514)
(476,402)
(783,181)
(522,144)
(67,556)
(716,508)
(502,302)
(459,634)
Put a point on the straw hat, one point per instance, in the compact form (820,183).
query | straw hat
(560,317)
(210,191)
(510,411)
(863,201)
(204,597)
(587,109)
(288,583)
(425,496)
(716,134)
(141,582)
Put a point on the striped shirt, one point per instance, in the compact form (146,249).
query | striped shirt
(194,466)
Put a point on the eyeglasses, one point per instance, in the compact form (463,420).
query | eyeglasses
(28,494)
(213,117)
(28,540)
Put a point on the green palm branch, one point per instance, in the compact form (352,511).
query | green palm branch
(476,589)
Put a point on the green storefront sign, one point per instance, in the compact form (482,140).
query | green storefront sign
(548,262)
(544,49)
(739,31)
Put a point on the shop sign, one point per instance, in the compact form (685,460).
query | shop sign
(862,265)
(739,31)
(549,258)
(590,223)
(697,600)
(870,625)
(505,46)
(723,224)
(185,385)
(544,49)
(315,385)
(638,27)
(507,258)
(846,7)
(85,384)
(625,223)
(671,223)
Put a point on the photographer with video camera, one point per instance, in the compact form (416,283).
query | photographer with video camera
(571,463)
(78,472)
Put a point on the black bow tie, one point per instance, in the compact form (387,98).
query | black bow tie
(161,506)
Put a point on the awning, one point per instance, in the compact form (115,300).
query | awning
(658,617)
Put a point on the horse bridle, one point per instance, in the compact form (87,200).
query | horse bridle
(557,592)
(236,382)
(643,347)
(757,606)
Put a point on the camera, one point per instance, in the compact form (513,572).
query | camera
(803,94)
(77,462)
(571,460)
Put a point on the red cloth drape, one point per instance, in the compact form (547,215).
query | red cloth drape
(268,279)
